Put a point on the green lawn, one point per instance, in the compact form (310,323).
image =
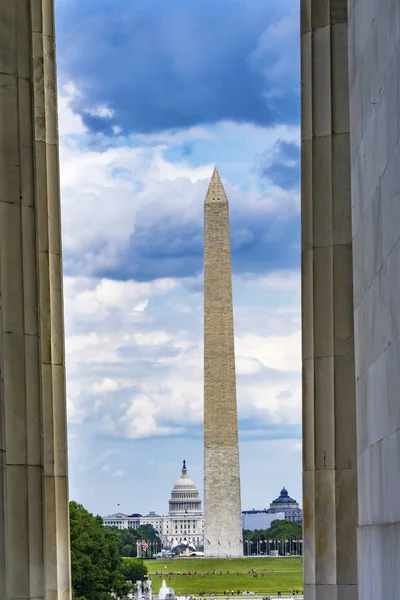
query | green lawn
(273,575)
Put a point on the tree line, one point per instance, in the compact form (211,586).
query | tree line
(283,536)
(103,559)
(279,530)
(97,568)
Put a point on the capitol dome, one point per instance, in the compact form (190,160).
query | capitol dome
(185,497)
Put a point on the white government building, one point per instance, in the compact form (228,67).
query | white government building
(283,507)
(184,522)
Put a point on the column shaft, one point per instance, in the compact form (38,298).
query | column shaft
(374,58)
(329,419)
(34,528)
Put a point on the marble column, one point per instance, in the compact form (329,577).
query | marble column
(374,59)
(34,526)
(329,415)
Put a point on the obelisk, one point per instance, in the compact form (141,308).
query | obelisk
(222,506)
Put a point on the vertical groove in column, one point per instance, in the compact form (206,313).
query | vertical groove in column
(34,525)
(329,456)
(13,398)
(51,305)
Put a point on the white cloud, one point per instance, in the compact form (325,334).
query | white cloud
(142,376)
(106,385)
(104,112)
(69,123)
(110,190)
(247,366)
(134,349)
(99,299)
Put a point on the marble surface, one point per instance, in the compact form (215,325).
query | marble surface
(34,523)
(329,410)
(374,58)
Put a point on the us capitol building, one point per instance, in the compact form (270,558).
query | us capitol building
(184,522)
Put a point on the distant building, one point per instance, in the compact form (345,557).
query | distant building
(259,519)
(122,521)
(284,503)
(184,523)
(283,508)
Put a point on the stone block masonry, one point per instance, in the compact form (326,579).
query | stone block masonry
(222,506)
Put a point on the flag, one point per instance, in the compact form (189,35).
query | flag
(301,541)
(241,541)
(219,543)
(208,542)
(144,545)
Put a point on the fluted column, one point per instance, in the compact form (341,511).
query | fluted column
(329,416)
(34,530)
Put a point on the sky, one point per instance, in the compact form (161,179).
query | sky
(152,95)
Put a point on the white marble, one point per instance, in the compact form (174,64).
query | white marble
(391,202)
(34,523)
(329,414)
(374,42)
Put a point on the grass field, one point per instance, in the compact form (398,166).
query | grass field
(273,575)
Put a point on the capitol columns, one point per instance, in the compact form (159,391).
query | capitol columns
(34,525)
(329,415)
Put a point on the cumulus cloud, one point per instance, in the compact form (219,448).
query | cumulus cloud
(129,213)
(137,374)
(104,112)
(133,253)
(204,61)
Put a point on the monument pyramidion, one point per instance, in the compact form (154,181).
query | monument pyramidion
(222,505)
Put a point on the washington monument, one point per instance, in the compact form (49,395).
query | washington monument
(222,507)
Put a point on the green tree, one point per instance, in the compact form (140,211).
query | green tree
(147,532)
(279,530)
(128,538)
(134,569)
(128,550)
(97,569)
(284,530)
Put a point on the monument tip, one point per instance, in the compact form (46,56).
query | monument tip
(216,192)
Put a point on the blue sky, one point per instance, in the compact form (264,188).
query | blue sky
(153,94)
